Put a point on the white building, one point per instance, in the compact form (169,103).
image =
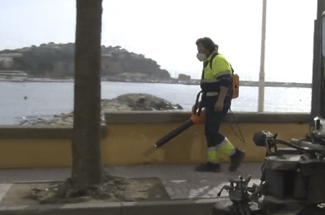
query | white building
(12,75)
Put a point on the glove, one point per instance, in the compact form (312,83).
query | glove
(195,107)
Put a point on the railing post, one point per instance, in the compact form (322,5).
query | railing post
(317,91)
(261,82)
(316,88)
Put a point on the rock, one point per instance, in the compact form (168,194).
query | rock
(126,102)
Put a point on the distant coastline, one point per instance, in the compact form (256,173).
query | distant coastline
(55,63)
(171,81)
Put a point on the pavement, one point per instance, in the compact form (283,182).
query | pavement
(181,181)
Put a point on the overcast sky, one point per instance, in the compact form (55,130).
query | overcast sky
(166,31)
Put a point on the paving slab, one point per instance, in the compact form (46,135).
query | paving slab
(177,207)
(193,193)
(180,181)
(4,189)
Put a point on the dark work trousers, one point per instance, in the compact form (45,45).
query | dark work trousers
(213,121)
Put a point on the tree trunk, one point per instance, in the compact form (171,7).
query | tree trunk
(86,164)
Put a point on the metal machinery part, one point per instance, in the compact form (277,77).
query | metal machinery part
(292,177)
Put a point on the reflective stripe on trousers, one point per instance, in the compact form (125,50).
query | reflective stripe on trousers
(213,155)
(226,147)
(223,148)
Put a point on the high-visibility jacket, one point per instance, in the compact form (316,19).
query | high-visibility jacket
(216,72)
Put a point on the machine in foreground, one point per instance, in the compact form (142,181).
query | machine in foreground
(293,178)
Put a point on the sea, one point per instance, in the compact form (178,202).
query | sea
(29,100)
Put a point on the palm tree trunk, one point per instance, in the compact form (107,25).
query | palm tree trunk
(86,164)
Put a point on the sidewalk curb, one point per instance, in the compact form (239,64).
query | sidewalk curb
(171,207)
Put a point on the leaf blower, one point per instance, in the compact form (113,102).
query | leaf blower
(197,116)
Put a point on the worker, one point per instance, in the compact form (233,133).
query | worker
(216,99)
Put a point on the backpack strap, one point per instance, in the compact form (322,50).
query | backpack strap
(232,69)
(213,56)
(210,63)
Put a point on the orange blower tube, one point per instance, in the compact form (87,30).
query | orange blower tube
(195,118)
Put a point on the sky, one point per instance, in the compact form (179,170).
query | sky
(166,31)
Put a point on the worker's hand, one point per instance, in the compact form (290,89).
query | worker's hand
(218,106)
(194,109)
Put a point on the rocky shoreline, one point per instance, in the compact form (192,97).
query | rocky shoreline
(126,102)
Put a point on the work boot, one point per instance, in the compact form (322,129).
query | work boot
(208,167)
(235,160)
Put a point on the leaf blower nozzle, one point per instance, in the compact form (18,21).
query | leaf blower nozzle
(197,116)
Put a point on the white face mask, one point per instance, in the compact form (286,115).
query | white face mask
(201,57)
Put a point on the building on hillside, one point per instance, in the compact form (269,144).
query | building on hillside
(12,75)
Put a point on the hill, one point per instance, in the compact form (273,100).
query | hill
(57,61)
